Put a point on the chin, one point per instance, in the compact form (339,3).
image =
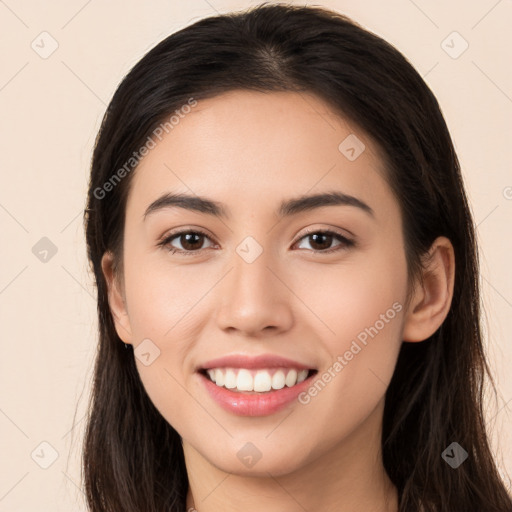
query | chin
(278,462)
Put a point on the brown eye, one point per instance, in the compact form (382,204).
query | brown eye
(190,241)
(321,241)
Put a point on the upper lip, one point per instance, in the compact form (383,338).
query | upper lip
(260,361)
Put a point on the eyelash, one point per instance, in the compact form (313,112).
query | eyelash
(345,242)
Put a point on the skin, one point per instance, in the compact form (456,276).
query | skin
(250,151)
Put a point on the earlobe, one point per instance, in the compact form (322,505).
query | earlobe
(433,295)
(116,300)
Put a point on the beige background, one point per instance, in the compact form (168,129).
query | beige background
(51,110)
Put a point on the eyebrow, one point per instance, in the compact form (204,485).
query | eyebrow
(287,208)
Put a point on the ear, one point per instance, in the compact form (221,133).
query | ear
(433,293)
(116,299)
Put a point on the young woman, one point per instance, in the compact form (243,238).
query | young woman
(287,281)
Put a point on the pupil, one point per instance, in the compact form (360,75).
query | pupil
(324,235)
(188,236)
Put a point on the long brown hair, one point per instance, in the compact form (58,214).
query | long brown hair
(132,458)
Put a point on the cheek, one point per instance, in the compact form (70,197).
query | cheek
(161,297)
(345,301)
(164,306)
(163,382)
(359,310)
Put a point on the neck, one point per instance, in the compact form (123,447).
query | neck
(347,477)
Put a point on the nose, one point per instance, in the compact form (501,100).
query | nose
(255,297)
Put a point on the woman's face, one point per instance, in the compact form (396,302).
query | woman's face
(260,281)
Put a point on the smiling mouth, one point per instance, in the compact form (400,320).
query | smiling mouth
(256,381)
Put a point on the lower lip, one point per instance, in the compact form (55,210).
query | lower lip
(261,404)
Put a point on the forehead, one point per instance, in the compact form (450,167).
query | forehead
(254,147)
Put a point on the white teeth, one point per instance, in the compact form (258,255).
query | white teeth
(301,376)
(278,380)
(230,379)
(260,381)
(291,378)
(244,380)
(219,377)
